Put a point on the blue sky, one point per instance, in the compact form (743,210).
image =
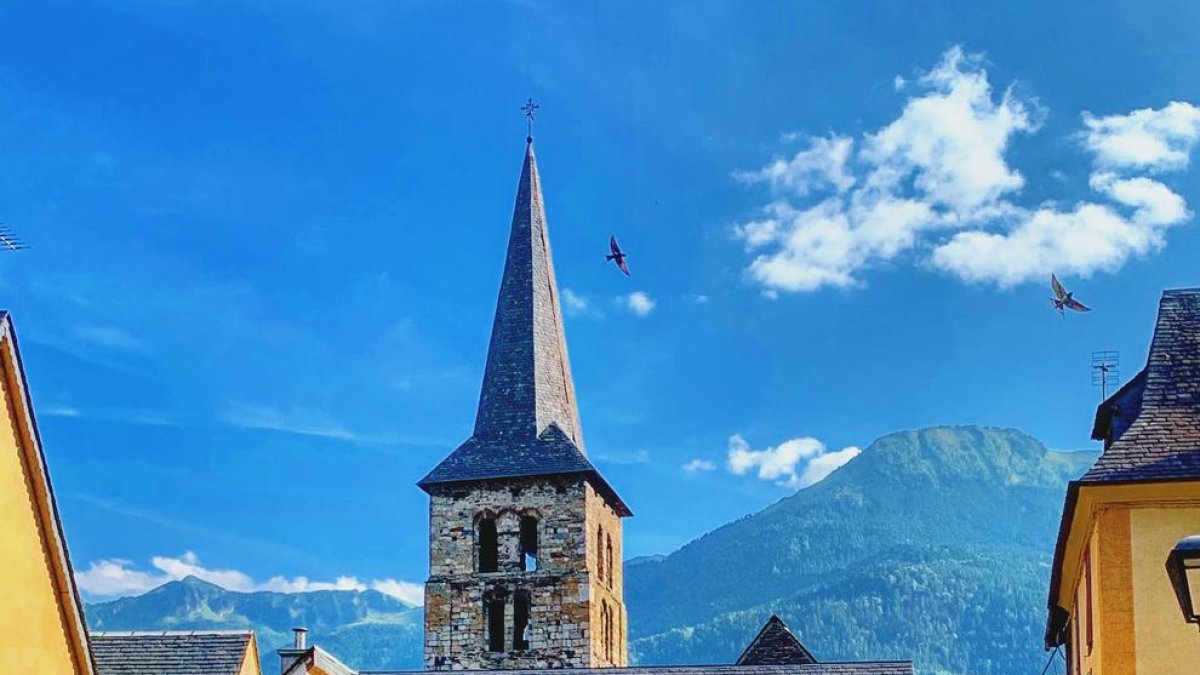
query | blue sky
(266,243)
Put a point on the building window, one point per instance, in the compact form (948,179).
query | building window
(1087,586)
(529,543)
(489,554)
(609,559)
(493,610)
(604,629)
(522,630)
(600,552)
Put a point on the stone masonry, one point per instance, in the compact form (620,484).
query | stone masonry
(565,590)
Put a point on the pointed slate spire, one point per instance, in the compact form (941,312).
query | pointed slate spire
(527,423)
(527,384)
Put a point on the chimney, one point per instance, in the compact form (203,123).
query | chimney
(300,637)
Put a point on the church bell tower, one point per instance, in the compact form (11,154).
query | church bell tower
(524,533)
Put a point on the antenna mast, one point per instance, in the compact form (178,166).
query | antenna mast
(1106,371)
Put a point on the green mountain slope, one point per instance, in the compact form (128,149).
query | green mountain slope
(933,544)
(367,629)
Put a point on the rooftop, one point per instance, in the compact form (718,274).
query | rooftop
(1152,424)
(170,652)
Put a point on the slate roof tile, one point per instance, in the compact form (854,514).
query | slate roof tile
(775,644)
(170,653)
(1162,440)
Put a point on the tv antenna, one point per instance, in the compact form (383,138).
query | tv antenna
(10,241)
(1106,371)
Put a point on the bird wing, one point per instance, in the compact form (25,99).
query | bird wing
(612,244)
(623,265)
(1077,305)
(1059,291)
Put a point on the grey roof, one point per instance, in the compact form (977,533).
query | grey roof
(840,668)
(775,644)
(1158,418)
(170,653)
(527,423)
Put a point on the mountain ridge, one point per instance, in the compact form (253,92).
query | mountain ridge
(933,544)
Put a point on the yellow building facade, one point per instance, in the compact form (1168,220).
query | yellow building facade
(42,627)
(1111,605)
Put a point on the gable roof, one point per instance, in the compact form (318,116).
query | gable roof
(314,661)
(1162,440)
(173,652)
(527,422)
(775,645)
(33,460)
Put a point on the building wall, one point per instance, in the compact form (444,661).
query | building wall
(1124,533)
(607,590)
(250,664)
(1166,644)
(34,633)
(562,590)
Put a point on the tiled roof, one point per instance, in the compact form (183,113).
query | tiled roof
(527,423)
(842,668)
(1162,442)
(170,653)
(775,645)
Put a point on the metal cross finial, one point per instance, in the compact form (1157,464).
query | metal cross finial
(530,110)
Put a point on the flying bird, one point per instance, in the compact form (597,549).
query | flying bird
(617,255)
(1064,300)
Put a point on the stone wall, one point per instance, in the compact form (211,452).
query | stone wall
(564,589)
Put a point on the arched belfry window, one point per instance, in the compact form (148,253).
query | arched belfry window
(600,552)
(493,613)
(522,628)
(489,548)
(529,543)
(608,559)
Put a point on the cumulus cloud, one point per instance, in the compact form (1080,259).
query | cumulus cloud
(697,465)
(116,577)
(821,165)
(795,463)
(1144,139)
(638,302)
(935,184)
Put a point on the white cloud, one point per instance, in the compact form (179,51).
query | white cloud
(116,577)
(573,303)
(697,465)
(821,165)
(302,422)
(698,298)
(795,463)
(408,591)
(60,411)
(935,184)
(1150,139)
(108,336)
(638,302)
